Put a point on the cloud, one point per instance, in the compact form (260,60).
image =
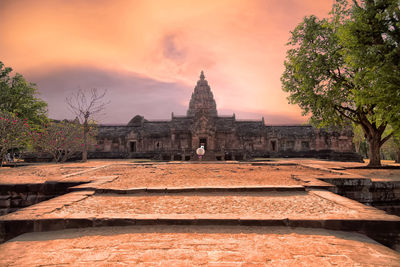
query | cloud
(240,45)
(172,49)
(270,118)
(129,93)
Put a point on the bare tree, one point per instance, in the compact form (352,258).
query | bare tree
(86,104)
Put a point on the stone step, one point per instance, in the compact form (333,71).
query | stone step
(206,189)
(383,231)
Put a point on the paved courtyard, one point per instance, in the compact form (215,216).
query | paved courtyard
(272,213)
(195,175)
(196,246)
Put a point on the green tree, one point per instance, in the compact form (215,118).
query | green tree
(370,41)
(323,80)
(19,97)
(358,137)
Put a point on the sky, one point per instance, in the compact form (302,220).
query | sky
(148,54)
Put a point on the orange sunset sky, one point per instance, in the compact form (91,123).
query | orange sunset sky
(148,54)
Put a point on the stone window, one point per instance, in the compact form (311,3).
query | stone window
(183,143)
(289,145)
(273,146)
(305,145)
(132,146)
(249,147)
(115,147)
(158,145)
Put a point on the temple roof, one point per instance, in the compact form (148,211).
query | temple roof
(249,128)
(202,100)
(291,131)
(136,121)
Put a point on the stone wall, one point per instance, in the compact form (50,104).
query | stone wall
(246,139)
(16,196)
(224,137)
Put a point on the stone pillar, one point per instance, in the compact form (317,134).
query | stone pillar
(195,142)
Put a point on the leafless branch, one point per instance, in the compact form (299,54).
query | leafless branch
(86,104)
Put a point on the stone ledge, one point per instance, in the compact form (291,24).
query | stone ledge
(384,231)
(274,164)
(85,171)
(93,184)
(174,190)
(42,225)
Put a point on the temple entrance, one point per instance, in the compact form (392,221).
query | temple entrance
(132,146)
(203,142)
(273,146)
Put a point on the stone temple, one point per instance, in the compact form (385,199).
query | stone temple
(223,137)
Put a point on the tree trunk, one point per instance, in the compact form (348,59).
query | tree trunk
(357,146)
(56,157)
(374,151)
(84,154)
(373,133)
(85,133)
(397,156)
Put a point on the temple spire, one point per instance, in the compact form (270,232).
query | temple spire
(202,100)
(202,77)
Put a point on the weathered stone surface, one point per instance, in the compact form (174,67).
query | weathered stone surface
(196,246)
(192,196)
(202,175)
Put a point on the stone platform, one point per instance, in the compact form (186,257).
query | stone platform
(196,246)
(234,214)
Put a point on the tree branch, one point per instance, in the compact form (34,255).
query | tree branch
(386,138)
(344,114)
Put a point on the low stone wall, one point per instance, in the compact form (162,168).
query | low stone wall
(317,154)
(235,154)
(384,195)
(16,196)
(46,157)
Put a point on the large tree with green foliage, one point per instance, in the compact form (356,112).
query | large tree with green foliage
(325,76)
(370,41)
(19,97)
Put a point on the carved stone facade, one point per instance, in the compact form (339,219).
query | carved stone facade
(223,137)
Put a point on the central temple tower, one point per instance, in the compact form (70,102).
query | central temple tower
(203,111)
(202,101)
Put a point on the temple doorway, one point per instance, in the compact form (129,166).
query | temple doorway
(132,146)
(203,142)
